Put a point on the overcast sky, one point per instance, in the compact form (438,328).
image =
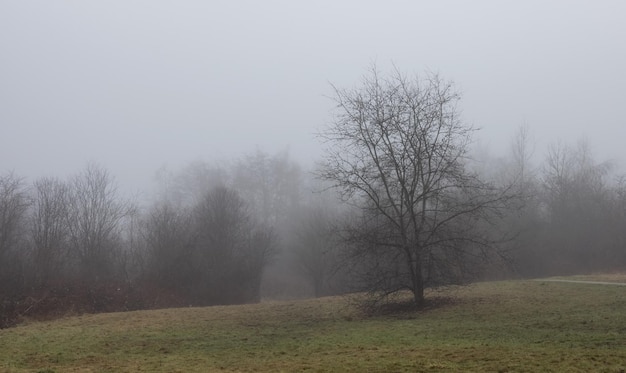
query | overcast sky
(135,85)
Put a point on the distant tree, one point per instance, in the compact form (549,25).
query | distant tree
(95,219)
(13,207)
(49,229)
(232,249)
(187,186)
(617,225)
(522,149)
(169,236)
(269,183)
(315,247)
(397,149)
(525,218)
(578,202)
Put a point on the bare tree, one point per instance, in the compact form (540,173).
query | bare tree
(269,183)
(397,149)
(232,248)
(578,203)
(49,230)
(271,186)
(524,217)
(169,238)
(13,208)
(522,149)
(187,186)
(314,243)
(95,218)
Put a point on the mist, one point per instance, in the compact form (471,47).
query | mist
(171,118)
(136,86)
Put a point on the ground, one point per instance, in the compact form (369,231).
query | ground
(508,326)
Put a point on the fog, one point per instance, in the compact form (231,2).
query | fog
(168,154)
(135,86)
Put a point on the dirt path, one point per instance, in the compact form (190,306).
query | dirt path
(582,282)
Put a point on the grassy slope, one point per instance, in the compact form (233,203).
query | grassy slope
(520,326)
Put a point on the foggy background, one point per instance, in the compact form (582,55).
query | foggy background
(136,85)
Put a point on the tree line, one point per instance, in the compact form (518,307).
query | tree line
(208,237)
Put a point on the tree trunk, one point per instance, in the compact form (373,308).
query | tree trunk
(418,283)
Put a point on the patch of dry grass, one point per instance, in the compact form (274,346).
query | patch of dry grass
(500,327)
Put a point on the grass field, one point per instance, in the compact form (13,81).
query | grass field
(511,326)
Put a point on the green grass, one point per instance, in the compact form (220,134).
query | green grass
(512,326)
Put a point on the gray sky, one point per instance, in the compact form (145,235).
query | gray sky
(134,85)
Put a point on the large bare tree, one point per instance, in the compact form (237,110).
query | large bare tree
(398,149)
